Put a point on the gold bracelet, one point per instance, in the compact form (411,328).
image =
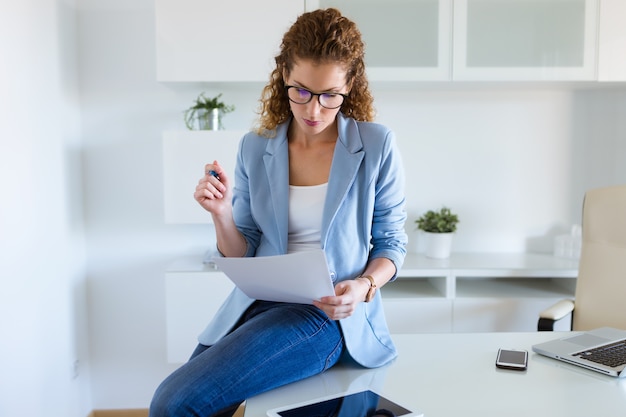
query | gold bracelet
(372,291)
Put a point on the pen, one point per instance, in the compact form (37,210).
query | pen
(213,173)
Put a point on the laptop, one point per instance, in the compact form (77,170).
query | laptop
(602,350)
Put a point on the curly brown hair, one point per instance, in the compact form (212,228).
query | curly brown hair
(323,36)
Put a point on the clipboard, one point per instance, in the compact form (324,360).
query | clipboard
(299,277)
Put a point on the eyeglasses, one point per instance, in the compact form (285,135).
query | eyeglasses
(301,95)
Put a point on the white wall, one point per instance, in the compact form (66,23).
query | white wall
(514,161)
(43,328)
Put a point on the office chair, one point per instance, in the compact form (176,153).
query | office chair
(600,295)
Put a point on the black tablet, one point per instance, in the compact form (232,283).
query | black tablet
(356,404)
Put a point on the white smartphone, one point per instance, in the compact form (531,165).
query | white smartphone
(512,359)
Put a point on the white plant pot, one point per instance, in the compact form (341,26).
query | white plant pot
(438,245)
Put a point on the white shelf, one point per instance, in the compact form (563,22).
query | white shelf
(490,265)
(412,288)
(511,288)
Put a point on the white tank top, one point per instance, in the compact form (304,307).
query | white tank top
(306,204)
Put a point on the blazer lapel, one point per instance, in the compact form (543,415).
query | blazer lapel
(346,162)
(276,160)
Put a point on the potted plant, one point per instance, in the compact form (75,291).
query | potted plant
(438,227)
(208,112)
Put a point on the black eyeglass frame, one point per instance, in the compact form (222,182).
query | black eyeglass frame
(287,87)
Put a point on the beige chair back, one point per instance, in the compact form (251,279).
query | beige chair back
(601,285)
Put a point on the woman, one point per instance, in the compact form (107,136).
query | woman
(316,174)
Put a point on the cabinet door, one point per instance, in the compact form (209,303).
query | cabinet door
(418,315)
(234,40)
(612,41)
(472,315)
(525,40)
(405,39)
(192,299)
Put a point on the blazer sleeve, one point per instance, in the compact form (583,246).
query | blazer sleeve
(389,238)
(241,197)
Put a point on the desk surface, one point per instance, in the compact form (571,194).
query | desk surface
(446,375)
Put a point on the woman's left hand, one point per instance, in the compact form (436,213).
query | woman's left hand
(348,294)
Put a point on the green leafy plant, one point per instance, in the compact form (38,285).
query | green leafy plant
(203,106)
(442,221)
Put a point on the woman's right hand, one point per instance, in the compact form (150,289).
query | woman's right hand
(213,191)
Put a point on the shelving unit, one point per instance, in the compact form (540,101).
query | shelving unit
(468,292)
(472,292)
(444,274)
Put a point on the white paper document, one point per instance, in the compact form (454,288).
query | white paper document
(299,277)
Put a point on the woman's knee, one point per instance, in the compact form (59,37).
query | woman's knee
(160,406)
(170,400)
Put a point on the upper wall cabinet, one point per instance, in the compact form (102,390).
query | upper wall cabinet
(525,40)
(612,41)
(405,39)
(476,39)
(234,40)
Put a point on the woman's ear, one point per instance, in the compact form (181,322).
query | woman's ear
(349,85)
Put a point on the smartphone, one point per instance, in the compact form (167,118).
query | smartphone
(512,359)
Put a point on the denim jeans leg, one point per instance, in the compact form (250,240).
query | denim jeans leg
(276,344)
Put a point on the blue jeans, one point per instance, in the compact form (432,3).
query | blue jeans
(274,344)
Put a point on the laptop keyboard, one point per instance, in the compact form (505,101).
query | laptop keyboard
(613,354)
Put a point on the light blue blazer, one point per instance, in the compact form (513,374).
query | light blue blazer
(363,218)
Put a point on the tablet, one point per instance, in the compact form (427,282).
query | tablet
(356,404)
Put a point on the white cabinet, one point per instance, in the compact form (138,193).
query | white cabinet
(405,39)
(476,292)
(417,305)
(184,155)
(234,40)
(506,304)
(612,41)
(193,293)
(478,40)
(525,40)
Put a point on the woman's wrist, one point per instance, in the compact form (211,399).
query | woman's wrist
(370,285)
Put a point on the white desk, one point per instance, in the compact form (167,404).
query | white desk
(449,375)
